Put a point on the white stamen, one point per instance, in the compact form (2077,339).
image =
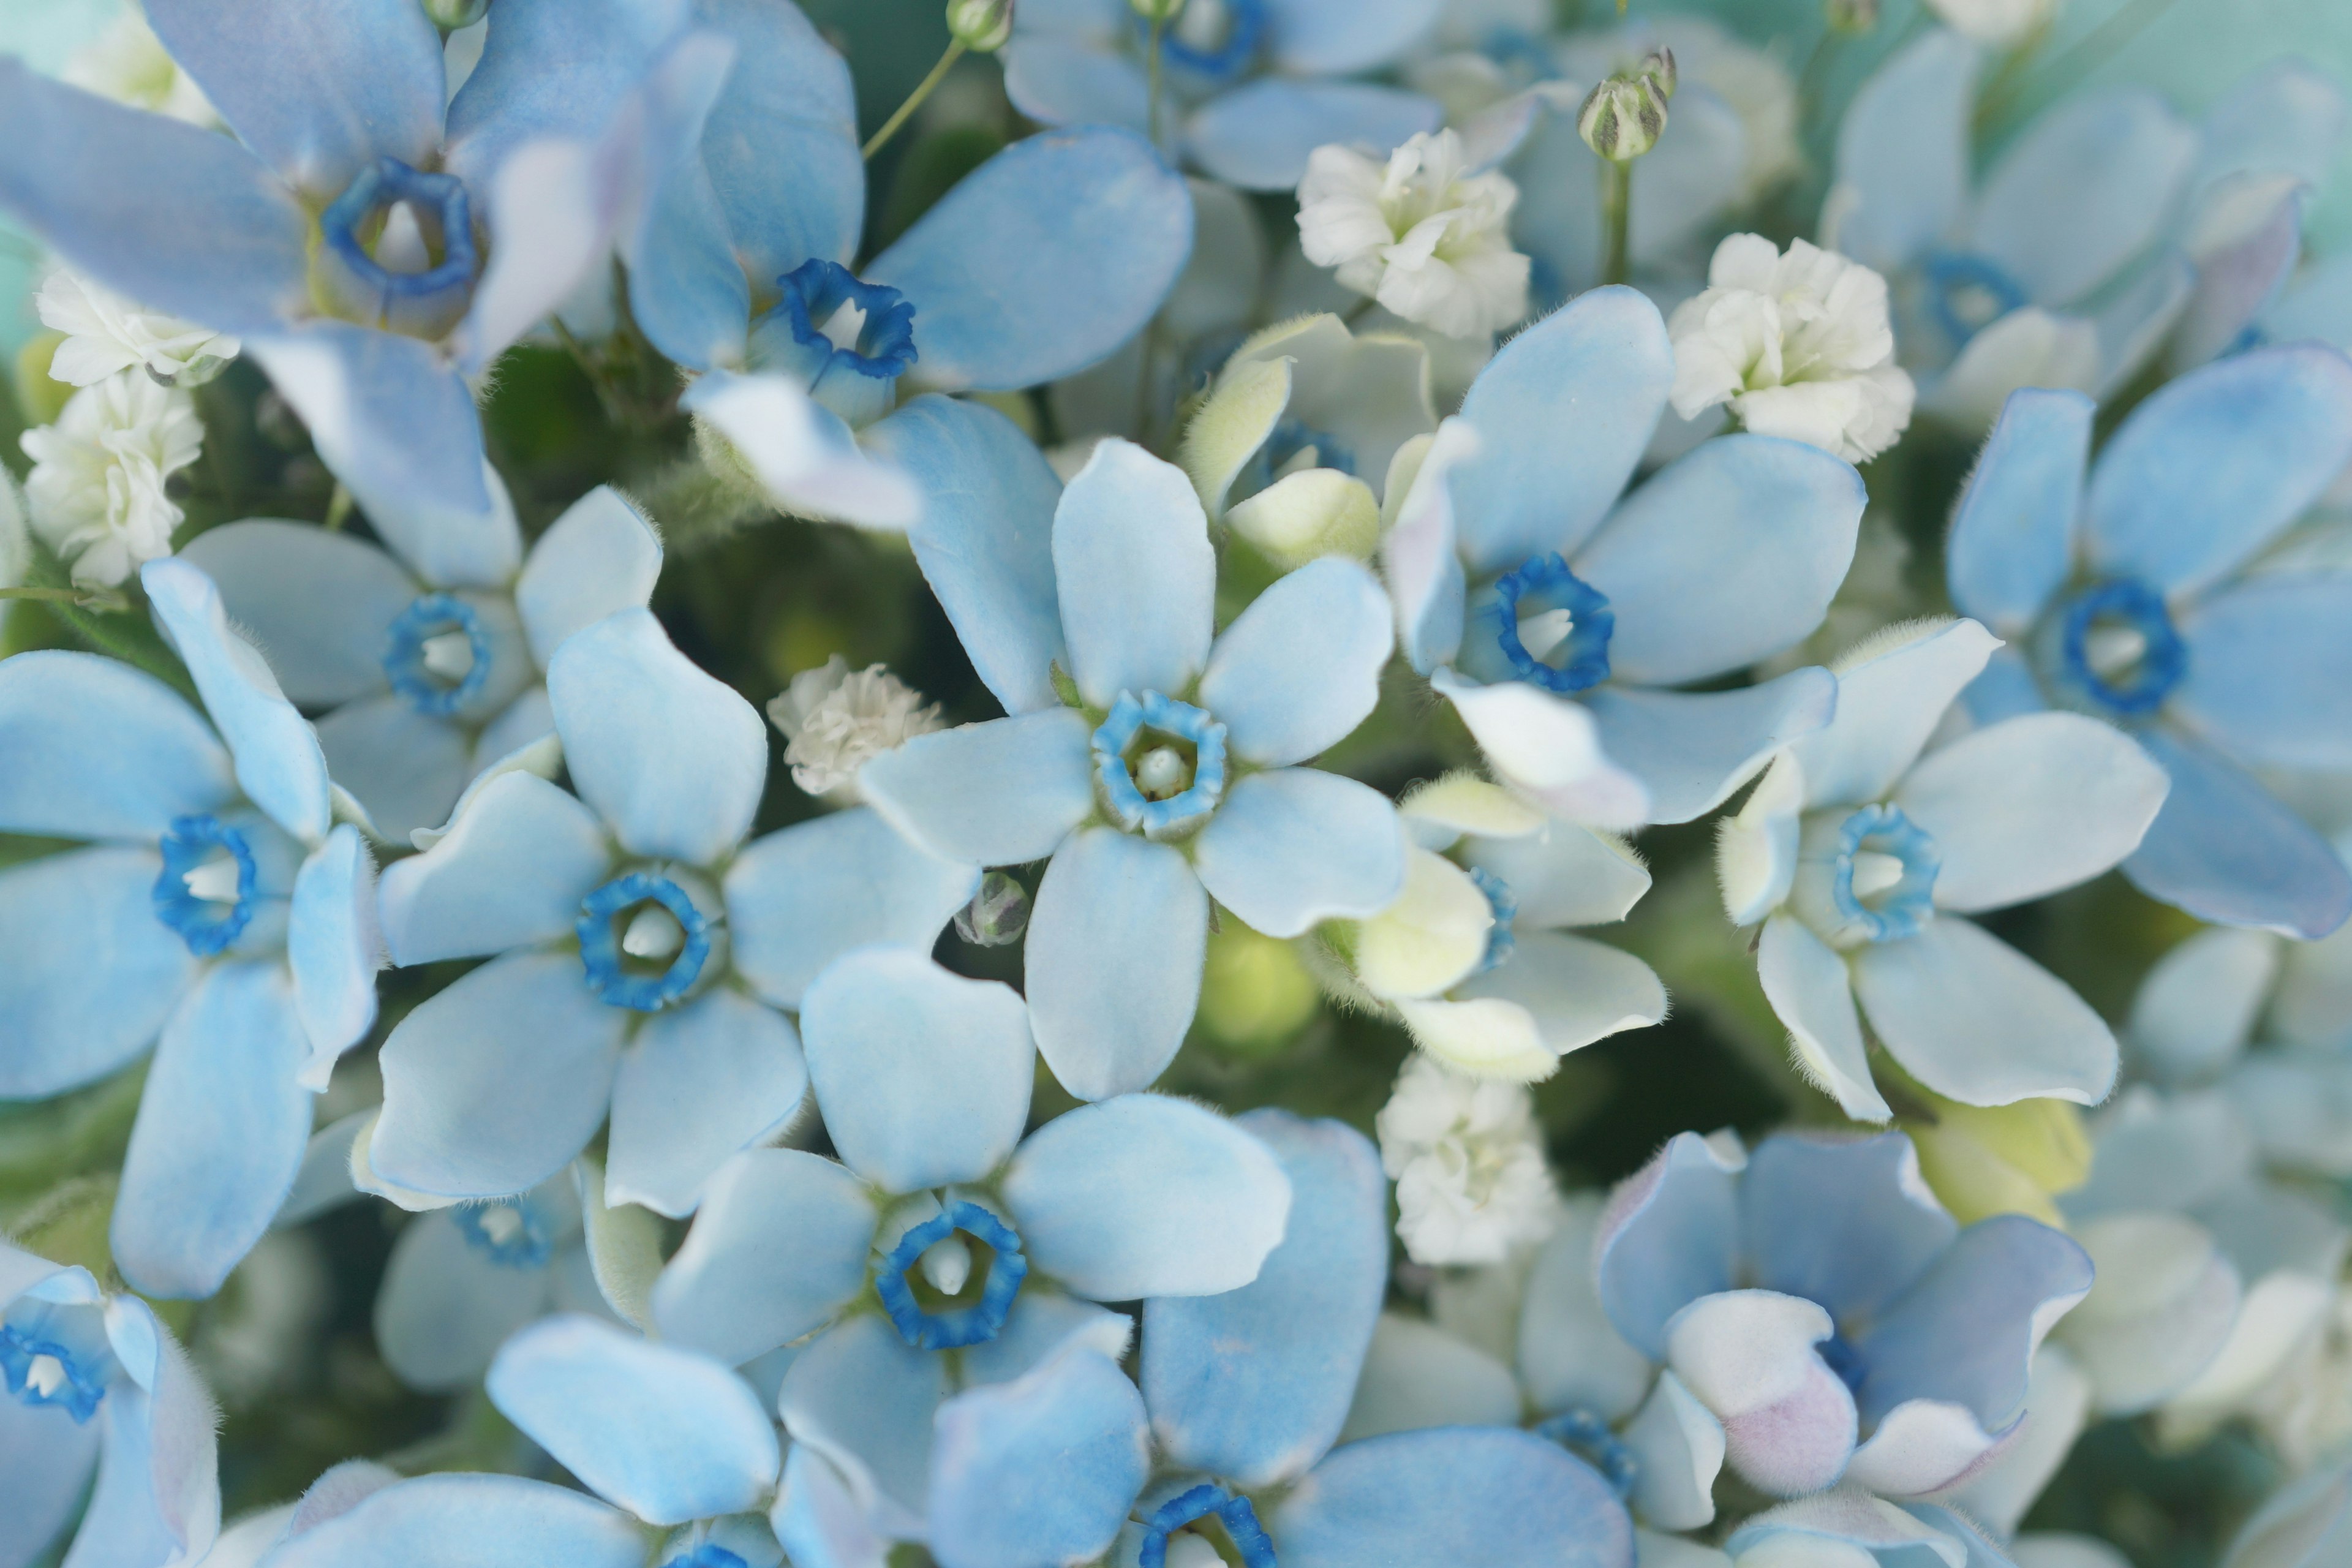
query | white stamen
(2112,650)
(45,1376)
(503,1222)
(1160,772)
(845,324)
(1186,1550)
(1298,462)
(1203,25)
(401,247)
(653,933)
(1542,632)
(1874,873)
(449,656)
(947,1264)
(214,880)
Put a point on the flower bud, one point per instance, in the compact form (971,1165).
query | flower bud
(1156,10)
(451,15)
(981,26)
(997,914)
(1658,65)
(1850,15)
(1624,118)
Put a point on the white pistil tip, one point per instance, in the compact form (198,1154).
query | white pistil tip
(449,655)
(214,880)
(1159,772)
(947,1264)
(45,1376)
(653,933)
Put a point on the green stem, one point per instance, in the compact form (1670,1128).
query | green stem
(2087,53)
(1616,217)
(1151,72)
(338,508)
(914,99)
(88,598)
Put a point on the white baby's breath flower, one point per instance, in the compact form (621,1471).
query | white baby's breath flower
(836,720)
(106,332)
(96,490)
(129,64)
(1417,234)
(1798,344)
(1468,1158)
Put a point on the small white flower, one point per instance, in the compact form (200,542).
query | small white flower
(1799,345)
(15,543)
(1417,233)
(106,332)
(1467,1160)
(2003,24)
(836,721)
(129,64)
(97,485)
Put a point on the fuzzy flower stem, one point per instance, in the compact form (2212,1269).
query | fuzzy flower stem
(1151,67)
(954,52)
(1616,217)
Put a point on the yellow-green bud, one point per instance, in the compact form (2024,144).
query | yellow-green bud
(997,914)
(981,26)
(1851,15)
(1624,118)
(451,15)
(1156,10)
(1658,65)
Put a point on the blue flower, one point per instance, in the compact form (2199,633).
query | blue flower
(92,1381)
(1821,1305)
(1245,78)
(1173,777)
(428,660)
(2129,596)
(640,951)
(215,912)
(944,1255)
(373,249)
(1558,618)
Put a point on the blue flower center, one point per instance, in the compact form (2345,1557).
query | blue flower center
(41,1370)
(1883,879)
(1205,1501)
(1966,293)
(710,1555)
(1588,1436)
(437,653)
(643,942)
(205,892)
(848,341)
(930,1315)
(2116,652)
(1550,628)
(396,250)
(1214,41)
(513,1233)
(1500,941)
(1161,764)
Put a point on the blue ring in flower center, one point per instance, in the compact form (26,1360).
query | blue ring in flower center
(433,615)
(609,974)
(2146,679)
(426,302)
(1234,1512)
(814,290)
(710,1555)
(1953,276)
(1221,61)
(531,1245)
(976,1324)
(1139,812)
(206,925)
(1904,909)
(1546,583)
(75,1390)
(1588,1436)
(1501,942)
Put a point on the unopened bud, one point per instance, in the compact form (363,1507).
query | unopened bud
(1622,119)
(997,914)
(1658,65)
(1851,15)
(1156,10)
(981,26)
(451,15)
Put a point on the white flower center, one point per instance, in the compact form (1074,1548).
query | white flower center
(1874,873)
(947,1264)
(214,880)
(502,1224)
(449,655)
(1204,25)
(401,247)
(44,1375)
(653,933)
(2113,650)
(1545,630)
(842,328)
(1160,772)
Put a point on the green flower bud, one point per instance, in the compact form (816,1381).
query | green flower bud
(1624,118)
(997,914)
(981,26)
(1851,15)
(1156,10)
(1658,65)
(451,15)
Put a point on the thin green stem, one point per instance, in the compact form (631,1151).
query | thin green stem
(2086,53)
(88,598)
(914,99)
(338,508)
(1616,217)
(1151,73)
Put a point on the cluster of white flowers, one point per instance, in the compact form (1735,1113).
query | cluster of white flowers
(1466,1155)
(105,333)
(838,720)
(97,489)
(1418,232)
(128,64)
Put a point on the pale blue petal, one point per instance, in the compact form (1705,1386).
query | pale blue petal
(2235,281)
(1259,135)
(445,1305)
(1903,153)
(279,764)
(1416,1374)
(999,793)
(1042,260)
(1964,1333)
(511,871)
(1145,1195)
(673,759)
(2083,191)
(1562,414)
(1811,993)
(799,899)
(1040,1469)
(554,69)
(1848,1225)
(688,292)
(818,1522)
(319,605)
(2013,534)
(865,1399)
(1979,1022)
(986,539)
(669,1434)
(2270,671)
(782,143)
(1725,557)
(1575,990)
(2212,467)
(1421,559)
(600,557)
(222,1126)
(2006,689)
(923,1076)
(1300,669)
(317,92)
(470,1522)
(1315,37)
(407,768)
(526,722)
(1063,81)
(189,222)
(91,976)
(2138,318)
(1040,1325)
(698,1083)
(1254,1385)
(99,750)
(1137,576)
(777,1248)
(1492,1496)
(333,949)
(2286,116)
(491,1085)
(2226,850)
(1296,847)
(2317,305)
(1113,963)
(1691,750)
(122,1527)
(1888,707)
(47,1458)
(1562,875)
(1671,1234)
